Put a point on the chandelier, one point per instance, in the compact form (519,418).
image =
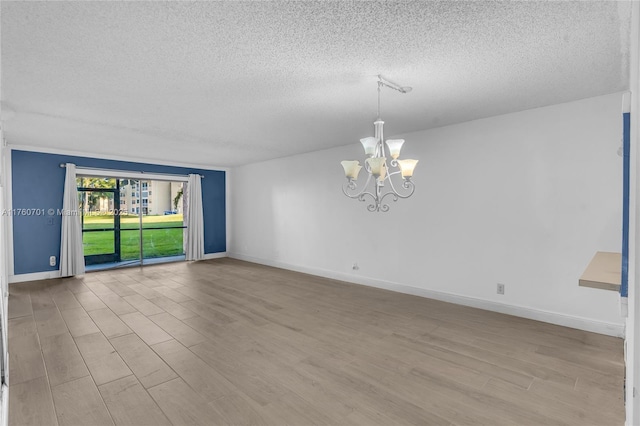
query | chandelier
(379,170)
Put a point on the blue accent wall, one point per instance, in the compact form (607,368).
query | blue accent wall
(38,183)
(626,167)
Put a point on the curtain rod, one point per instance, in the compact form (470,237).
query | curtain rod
(63,165)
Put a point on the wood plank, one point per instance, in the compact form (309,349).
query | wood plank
(350,383)
(598,364)
(196,373)
(119,288)
(77,286)
(98,288)
(604,271)
(49,322)
(143,305)
(228,305)
(79,322)
(150,283)
(89,301)
(117,304)
(79,403)
(250,379)
(172,294)
(208,312)
(167,283)
(183,406)
(64,299)
(509,370)
(600,406)
(130,404)
(22,326)
(109,323)
(31,404)
(144,291)
(177,329)
(41,300)
(173,308)
(293,410)
(145,328)
(62,359)
(145,364)
(517,402)
(19,305)
(101,358)
(236,410)
(25,359)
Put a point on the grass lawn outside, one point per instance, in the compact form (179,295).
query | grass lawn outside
(156,242)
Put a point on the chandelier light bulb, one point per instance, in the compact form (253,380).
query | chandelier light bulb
(369,144)
(407,167)
(395,145)
(383,173)
(351,168)
(376,165)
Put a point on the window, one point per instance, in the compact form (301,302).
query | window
(138,232)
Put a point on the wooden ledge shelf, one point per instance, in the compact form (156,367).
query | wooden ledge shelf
(603,272)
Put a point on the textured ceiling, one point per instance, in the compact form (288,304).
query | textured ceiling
(228,83)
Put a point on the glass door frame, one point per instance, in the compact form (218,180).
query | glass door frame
(114,257)
(118,175)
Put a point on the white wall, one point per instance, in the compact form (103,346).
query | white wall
(523,199)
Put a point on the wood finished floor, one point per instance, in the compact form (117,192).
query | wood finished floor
(230,342)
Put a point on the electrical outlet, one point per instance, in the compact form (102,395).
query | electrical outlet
(52,261)
(355,266)
(500,288)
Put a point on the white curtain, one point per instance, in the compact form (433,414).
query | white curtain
(194,239)
(71,252)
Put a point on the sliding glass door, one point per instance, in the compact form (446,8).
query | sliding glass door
(98,199)
(162,221)
(130,221)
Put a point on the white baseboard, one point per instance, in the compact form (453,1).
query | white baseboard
(214,255)
(20,278)
(580,323)
(56,274)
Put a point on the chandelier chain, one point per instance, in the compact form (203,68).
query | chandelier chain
(379,87)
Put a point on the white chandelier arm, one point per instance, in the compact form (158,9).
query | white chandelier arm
(362,194)
(385,207)
(389,174)
(376,202)
(406,184)
(353,186)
